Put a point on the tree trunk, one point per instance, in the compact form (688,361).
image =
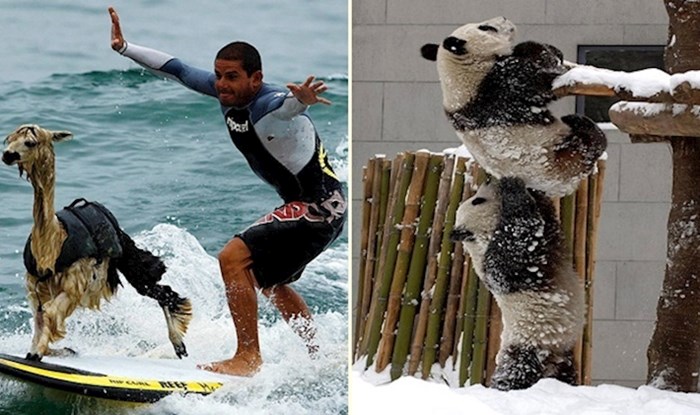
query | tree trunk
(674,351)
(682,52)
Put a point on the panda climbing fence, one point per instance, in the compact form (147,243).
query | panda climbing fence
(419,302)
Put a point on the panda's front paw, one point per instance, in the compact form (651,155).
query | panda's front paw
(514,380)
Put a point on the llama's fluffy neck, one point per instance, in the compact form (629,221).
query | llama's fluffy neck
(47,233)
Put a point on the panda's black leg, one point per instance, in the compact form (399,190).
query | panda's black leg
(519,367)
(586,142)
(561,367)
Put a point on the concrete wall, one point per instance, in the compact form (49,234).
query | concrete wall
(396,107)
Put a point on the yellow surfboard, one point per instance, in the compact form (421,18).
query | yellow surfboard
(117,378)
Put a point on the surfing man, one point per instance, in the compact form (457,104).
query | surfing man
(271,128)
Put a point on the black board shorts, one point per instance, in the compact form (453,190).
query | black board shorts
(285,240)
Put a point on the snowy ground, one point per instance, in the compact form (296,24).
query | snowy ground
(407,396)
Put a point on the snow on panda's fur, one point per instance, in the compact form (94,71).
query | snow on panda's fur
(496,96)
(518,250)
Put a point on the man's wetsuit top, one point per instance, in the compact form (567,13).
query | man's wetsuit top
(274,132)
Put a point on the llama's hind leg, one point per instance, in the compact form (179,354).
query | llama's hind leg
(178,314)
(143,270)
(177,319)
(177,311)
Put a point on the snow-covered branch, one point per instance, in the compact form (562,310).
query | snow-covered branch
(649,85)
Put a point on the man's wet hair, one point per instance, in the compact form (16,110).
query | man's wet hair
(243,52)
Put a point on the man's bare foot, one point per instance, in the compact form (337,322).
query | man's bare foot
(239,365)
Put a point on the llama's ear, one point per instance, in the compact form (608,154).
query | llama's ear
(61,136)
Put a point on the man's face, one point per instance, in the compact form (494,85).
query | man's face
(234,86)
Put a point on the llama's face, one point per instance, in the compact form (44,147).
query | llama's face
(27,142)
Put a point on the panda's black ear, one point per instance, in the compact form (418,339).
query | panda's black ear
(429,51)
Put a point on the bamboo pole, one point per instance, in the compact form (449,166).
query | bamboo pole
(431,271)
(579,259)
(478,362)
(471,295)
(469,318)
(379,201)
(405,248)
(459,321)
(595,196)
(462,347)
(480,321)
(494,339)
(441,281)
(468,191)
(460,269)
(417,268)
(387,259)
(386,189)
(568,204)
(580,226)
(452,305)
(369,232)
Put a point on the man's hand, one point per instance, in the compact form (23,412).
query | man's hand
(308,92)
(118,41)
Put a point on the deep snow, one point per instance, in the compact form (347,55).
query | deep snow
(371,394)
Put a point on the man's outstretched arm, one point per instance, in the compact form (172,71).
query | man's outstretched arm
(161,63)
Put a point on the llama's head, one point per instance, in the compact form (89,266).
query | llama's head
(30,143)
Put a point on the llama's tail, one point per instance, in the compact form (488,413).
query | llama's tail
(144,270)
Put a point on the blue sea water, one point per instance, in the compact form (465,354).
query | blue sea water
(158,155)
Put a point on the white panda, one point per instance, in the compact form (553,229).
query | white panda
(496,96)
(518,250)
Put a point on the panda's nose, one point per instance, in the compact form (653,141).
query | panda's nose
(10,157)
(461,234)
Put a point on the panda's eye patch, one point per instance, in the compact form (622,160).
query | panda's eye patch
(478,201)
(488,28)
(455,45)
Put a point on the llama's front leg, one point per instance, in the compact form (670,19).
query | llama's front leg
(38,329)
(40,340)
(38,323)
(63,309)
(54,315)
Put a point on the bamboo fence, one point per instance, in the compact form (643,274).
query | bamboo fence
(420,305)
